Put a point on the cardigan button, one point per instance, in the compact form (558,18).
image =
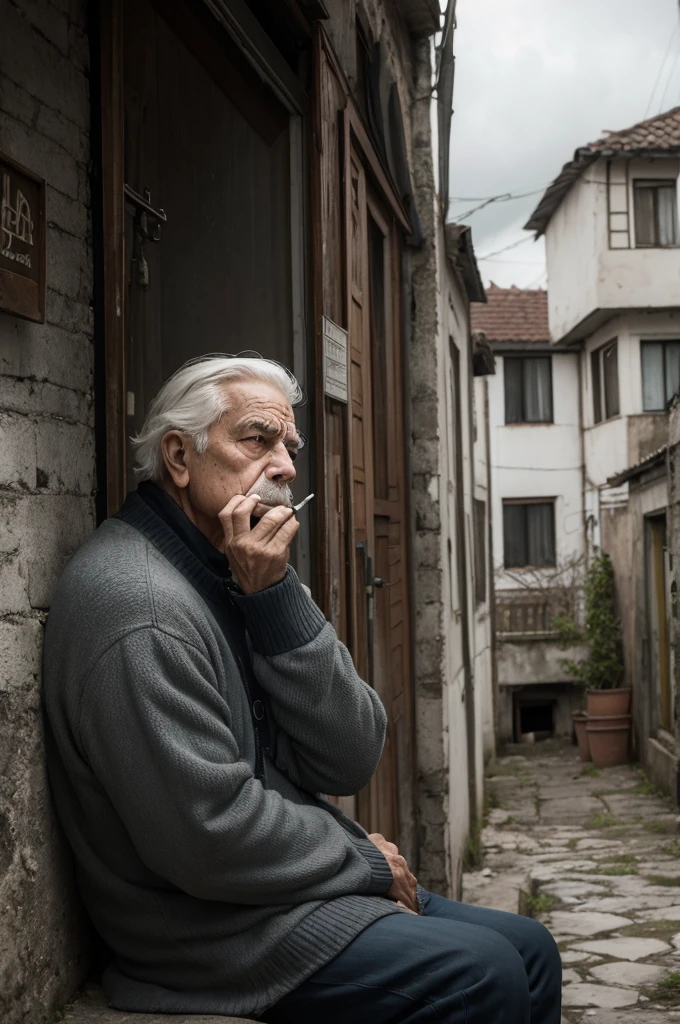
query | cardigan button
(258,710)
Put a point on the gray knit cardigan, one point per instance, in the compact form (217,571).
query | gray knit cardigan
(217,891)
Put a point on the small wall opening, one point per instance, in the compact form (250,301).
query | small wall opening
(535,719)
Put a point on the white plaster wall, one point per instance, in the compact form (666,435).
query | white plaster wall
(483,646)
(574,238)
(455,324)
(540,460)
(584,274)
(609,446)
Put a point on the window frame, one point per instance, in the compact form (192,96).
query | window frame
(525,503)
(598,379)
(664,343)
(523,359)
(653,185)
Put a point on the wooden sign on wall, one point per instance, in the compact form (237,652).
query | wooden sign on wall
(22,241)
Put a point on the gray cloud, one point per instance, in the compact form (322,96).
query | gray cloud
(535,79)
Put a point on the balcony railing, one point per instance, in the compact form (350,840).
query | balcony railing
(525,614)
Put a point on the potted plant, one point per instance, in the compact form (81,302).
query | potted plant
(607,724)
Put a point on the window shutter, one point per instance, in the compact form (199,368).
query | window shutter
(610,366)
(652,376)
(541,533)
(512,372)
(538,390)
(514,536)
(597,386)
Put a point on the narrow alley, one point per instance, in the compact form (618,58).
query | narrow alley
(595,855)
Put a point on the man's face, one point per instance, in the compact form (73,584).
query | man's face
(250,451)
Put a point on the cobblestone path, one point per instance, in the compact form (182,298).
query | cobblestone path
(596,857)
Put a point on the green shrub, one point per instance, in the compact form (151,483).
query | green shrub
(602,668)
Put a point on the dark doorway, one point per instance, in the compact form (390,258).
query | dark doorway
(536,717)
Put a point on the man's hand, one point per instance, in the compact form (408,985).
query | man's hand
(257,557)
(403,889)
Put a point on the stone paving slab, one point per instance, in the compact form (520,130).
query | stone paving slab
(597,857)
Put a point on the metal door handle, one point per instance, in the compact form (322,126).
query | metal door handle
(378,581)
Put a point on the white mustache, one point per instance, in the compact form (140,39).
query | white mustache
(272,493)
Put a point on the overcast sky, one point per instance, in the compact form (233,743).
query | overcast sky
(534,80)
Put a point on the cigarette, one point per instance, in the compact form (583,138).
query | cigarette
(296,508)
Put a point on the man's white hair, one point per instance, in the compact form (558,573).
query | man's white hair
(195,397)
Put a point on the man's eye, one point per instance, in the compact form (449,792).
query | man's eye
(256,438)
(293,454)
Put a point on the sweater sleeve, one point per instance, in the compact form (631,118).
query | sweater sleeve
(156,733)
(333,724)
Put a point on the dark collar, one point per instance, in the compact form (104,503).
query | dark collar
(167,509)
(154,513)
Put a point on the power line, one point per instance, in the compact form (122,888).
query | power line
(668,81)
(504,197)
(479,199)
(513,245)
(663,64)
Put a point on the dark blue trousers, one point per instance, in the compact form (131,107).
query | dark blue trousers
(454,963)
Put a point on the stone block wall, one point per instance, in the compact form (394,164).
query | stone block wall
(426,484)
(46,488)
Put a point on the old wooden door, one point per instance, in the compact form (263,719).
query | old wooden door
(378,570)
(208,143)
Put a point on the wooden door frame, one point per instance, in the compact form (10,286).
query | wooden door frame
(113,254)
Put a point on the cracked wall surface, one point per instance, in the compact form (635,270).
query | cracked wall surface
(46,489)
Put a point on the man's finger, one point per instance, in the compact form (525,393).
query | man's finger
(284,537)
(270,523)
(235,517)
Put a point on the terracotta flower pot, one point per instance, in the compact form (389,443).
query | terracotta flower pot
(609,738)
(609,702)
(580,718)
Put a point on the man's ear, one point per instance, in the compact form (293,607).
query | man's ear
(174,457)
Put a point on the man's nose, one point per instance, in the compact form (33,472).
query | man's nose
(281,465)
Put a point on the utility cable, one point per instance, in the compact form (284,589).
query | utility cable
(663,64)
(513,245)
(503,197)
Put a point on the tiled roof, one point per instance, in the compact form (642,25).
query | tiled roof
(512,314)
(658,135)
(639,467)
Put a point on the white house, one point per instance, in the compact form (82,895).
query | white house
(610,221)
(537,507)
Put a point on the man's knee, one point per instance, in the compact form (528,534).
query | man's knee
(539,948)
(497,987)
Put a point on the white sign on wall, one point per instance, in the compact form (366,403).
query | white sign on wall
(334,360)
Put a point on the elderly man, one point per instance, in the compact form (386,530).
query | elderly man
(199,704)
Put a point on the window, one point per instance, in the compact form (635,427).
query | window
(480,551)
(528,389)
(660,373)
(528,534)
(656,213)
(604,365)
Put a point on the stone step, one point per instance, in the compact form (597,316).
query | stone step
(91,1008)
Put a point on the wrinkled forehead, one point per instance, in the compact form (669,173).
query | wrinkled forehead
(262,408)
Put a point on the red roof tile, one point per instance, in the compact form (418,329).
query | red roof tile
(657,135)
(512,314)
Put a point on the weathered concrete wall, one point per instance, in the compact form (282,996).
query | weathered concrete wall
(432,763)
(564,697)
(46,486)
(525,662)
(454,689)
(585,273)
